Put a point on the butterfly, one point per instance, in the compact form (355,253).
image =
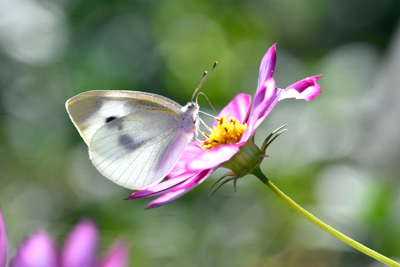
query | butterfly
(134,138)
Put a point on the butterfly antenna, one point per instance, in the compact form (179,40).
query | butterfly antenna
(205,75)
(200,84)
(209,102)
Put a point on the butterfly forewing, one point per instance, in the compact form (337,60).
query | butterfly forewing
(91,110)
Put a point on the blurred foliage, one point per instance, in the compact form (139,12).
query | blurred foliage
(339,158)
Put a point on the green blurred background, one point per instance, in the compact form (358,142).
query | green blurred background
(339,159)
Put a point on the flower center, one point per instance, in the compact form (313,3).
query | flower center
(226,132)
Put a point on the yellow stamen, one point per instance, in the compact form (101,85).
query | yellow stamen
(226,132)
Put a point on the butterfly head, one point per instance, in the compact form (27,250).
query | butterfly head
(191,118)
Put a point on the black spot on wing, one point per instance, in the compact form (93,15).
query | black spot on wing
(110,119)
(112,123)
(129,143)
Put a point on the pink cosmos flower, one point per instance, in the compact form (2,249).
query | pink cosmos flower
(80,249)
(197,163)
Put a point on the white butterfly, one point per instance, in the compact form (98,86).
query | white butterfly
(134,138)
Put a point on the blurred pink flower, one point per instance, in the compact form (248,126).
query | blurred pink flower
(3,242)
(80,249)
(197,163)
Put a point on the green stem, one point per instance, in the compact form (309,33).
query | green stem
(257,172)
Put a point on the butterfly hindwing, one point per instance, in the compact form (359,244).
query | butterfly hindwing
(138,149)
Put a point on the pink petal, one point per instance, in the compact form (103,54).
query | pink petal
(267,66)
(214,157)
(80,248)
(161,187)
(3,242)
(305,89)
(119,255)
(181,189)
(264,101)
(37,251)
(192,150)
(238,108)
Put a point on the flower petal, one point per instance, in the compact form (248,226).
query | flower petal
(213,157)
(267,66)
(36,251)
(238,108)
(3,242)
(80,248)
(161,188)
(264,101)
(192,150)
(305,89)
(181,189)
(119,255)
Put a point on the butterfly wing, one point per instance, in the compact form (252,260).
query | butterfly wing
(138,149)
(134,138)
(91,110)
